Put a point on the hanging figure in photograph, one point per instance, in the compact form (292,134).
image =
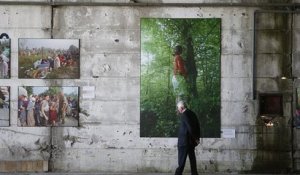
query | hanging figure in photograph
(179,75)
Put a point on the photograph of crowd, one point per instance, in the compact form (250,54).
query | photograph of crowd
(4,105)
(4,58)
(49,58)
(48,106)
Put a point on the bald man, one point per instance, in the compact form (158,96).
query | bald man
(188,138)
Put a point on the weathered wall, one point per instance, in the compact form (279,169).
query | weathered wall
(114,139)
(296,73)
(22,22)
(108,138)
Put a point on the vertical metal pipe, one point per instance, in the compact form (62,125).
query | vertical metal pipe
(292,125)
(52,20)
(295,90)
(50,161)
(254,57)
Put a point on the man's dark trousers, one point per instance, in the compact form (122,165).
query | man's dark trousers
(183,152)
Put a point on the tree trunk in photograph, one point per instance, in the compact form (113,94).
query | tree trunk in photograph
(190,62)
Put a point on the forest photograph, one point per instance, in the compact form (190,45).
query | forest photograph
(180,60)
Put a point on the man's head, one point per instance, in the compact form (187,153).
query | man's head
(46,97)
(181,106)
(22,93)
(178,50)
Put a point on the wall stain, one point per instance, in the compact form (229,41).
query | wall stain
(273,144)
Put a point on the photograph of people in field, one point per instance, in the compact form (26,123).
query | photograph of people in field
(40,106)
(49,58)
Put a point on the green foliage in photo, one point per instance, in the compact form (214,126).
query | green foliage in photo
(201,42)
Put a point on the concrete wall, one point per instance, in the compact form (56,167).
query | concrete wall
(23,22)
(108,137)
(296,73)
(273,45)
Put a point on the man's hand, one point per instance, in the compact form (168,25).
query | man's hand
(197,141)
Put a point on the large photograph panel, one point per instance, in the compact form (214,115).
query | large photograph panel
(180,60)
(49,58)
(4,105)
(48,106)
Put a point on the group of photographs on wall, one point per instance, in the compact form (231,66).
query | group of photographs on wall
(40,106)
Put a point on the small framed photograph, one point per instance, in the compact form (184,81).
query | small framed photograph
(4,105)
(5,59)
(49,58)
(40,106)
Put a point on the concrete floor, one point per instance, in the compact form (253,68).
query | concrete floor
(130,174)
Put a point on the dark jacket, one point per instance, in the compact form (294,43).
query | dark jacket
(189,129)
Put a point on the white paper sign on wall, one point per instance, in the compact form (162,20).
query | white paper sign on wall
(228,133)
(88,92)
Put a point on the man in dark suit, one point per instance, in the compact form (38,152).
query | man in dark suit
(188,138)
